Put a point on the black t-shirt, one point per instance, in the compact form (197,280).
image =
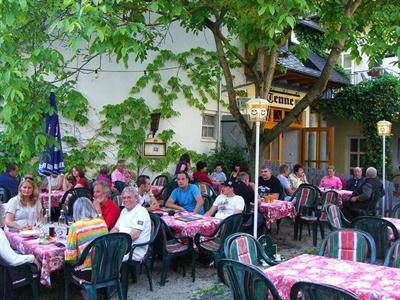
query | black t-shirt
(241,189)
(271,186)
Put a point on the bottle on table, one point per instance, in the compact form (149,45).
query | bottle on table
(62,220)
(62,225)
(47,217)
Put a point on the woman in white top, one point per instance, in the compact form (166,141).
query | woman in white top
(25,209)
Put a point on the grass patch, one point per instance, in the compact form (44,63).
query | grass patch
(215,290)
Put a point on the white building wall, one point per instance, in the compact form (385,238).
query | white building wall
(113,87)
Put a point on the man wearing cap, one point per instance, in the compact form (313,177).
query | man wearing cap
(227,203)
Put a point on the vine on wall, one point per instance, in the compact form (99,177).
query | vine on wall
(367,103)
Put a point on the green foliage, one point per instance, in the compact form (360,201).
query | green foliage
(367,103)
(227,156)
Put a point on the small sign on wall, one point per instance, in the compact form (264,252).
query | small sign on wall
(154,148)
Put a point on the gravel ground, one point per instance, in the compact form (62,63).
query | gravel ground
(206,285)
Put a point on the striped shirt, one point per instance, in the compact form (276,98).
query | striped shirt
(80,234)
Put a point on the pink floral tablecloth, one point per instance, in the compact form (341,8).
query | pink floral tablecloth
(276,210)
(395,222)
(369,282)
(50,256)
(56,197)
(204,224)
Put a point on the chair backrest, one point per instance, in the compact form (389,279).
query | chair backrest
(379,229)
(167,189)
(349,244)
(229,226)
(393,255)
(336,219)
(160,180)
(71,195)
(207,202)
(306,197)
(120,185)
(314,291)
(396,211)
(246,282)
(5,194)
(267,244)
(155,227)
(375,199)
(207,189)
(330,197)
(164,234)
(106,253)
(242,247)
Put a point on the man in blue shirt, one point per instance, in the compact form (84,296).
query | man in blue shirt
(186,196)
(8,179)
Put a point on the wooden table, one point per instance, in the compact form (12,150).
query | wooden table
(367,281)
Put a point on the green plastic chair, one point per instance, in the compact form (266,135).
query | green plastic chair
(314,291)
(349,244)
(70,196)
(379,230)
(244,248)
(396,212)
(393,256)
(267,244)
(30,278)
(120,185)
(107,253)
(148,258)
(307,196)
(336,219)
(214,243)
(247,282)
(171,246)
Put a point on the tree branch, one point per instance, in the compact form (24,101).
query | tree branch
(322,81)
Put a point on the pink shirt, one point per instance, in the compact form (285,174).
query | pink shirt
(334,182)
(125,176)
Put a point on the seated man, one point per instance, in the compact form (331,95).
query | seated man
(227,203)
(8,179)
(10,257)
(201,174)
(268,184)
(146,197)
(105,207)
(186,196)
(134,220)
(288,190)
(362,196)
(244,188)
(121,174)
(355,182)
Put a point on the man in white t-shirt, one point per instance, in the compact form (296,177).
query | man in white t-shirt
(227,203)
(134,220)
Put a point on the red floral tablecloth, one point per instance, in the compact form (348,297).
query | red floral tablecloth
(344,194)
(276,210)
(50,256)
(369,282)
(56,197)
(204,224)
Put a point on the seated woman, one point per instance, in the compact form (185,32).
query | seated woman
(25,209)
(298,177)
(331,181)
(13,259)
(77,180)
(86,228)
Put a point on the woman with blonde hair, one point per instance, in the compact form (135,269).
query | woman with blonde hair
(25,209)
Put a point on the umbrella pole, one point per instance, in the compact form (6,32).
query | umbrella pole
(49,202)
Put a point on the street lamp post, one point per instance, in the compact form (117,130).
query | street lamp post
(257,111)
(384,130)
